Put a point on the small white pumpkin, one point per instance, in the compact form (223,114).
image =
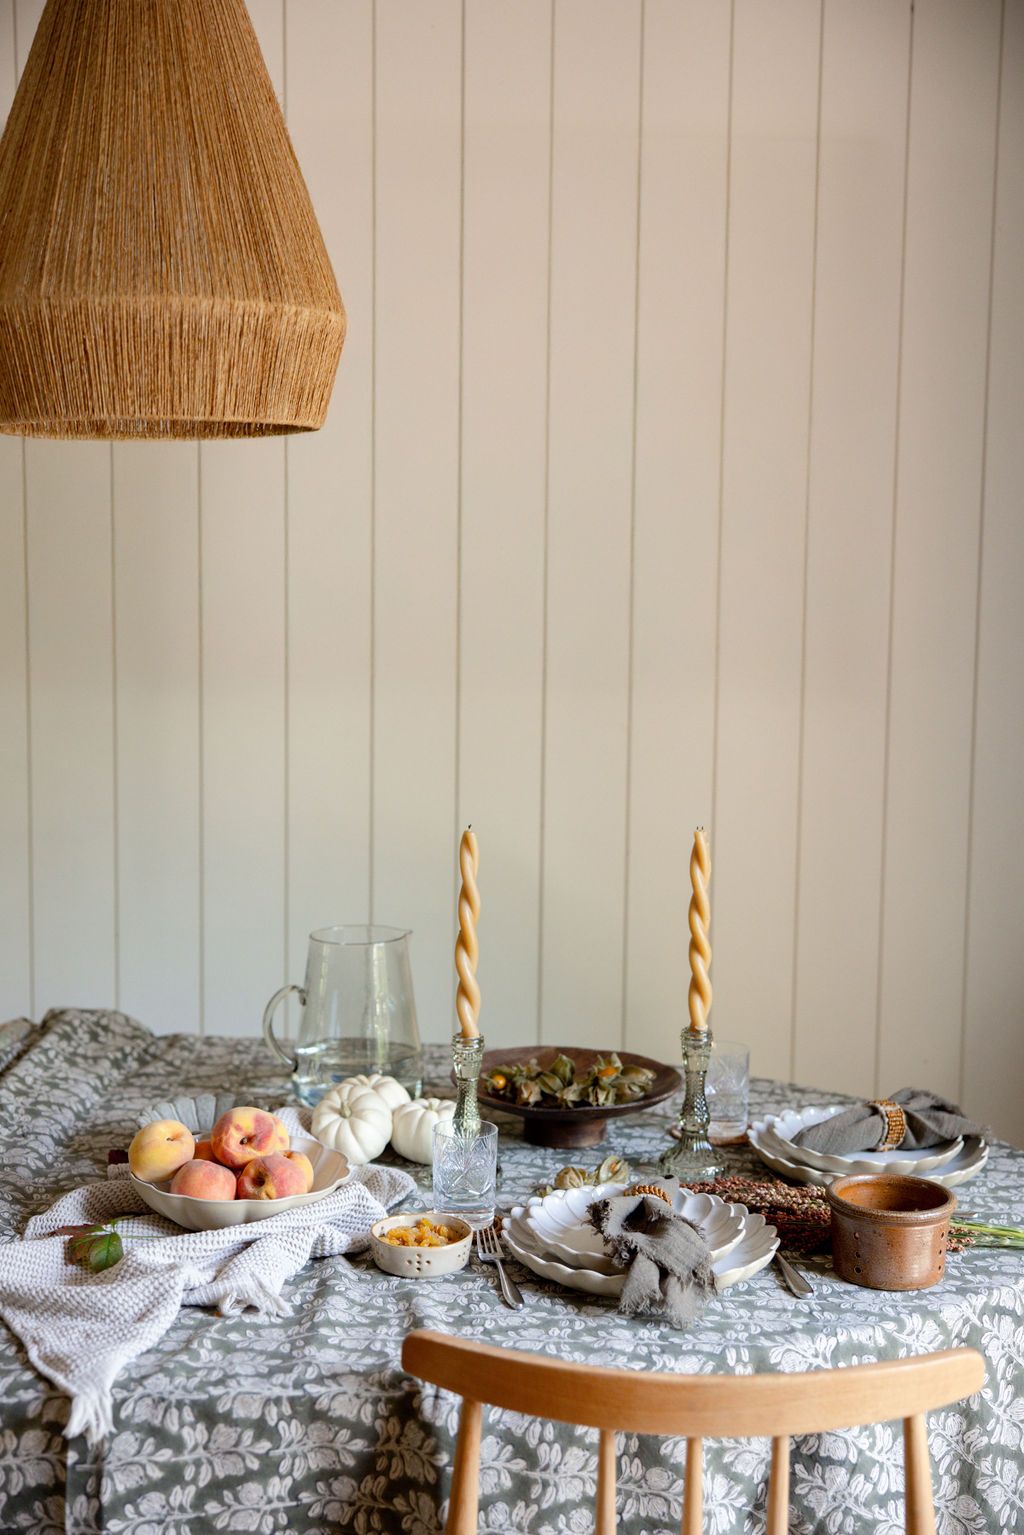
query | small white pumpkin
(388,1088)
(356,1123)
(412,1127)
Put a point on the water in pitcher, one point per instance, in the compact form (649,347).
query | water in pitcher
(327,1061)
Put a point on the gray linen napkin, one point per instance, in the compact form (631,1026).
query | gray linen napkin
(667,1261)
(862,1127)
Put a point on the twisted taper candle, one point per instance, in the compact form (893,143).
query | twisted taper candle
(700,923)
(467,949)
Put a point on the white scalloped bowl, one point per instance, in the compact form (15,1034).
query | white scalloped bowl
(558,1222)
(330,1171)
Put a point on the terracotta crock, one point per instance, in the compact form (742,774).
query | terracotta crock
(888,1232)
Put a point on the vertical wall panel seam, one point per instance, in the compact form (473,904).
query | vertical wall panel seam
(459,479)
(30,826)
(801,725)
(201,762)
(286,753)
(286,574)
(631,599)
(547,516)
(115,744)
(887,735)
(372,743)
(29,798)
(983,487)
(715,713)
(286,775)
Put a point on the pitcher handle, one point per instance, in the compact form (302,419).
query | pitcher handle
(268,1025)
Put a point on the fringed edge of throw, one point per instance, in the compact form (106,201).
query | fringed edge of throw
(255,1294)
(92,1414)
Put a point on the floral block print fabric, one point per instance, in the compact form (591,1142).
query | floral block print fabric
(307,1423)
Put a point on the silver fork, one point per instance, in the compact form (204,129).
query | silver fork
(488,1250)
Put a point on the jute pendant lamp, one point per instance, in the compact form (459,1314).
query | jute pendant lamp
(162,273)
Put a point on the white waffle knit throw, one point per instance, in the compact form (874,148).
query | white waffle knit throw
(80,1329)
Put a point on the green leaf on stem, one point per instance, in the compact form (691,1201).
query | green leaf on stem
(96,1247)
(105,1251)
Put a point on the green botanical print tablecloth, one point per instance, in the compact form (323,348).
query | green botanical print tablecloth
(307,1423)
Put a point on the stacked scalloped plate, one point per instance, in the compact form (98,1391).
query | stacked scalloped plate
(553,1237)
(774,1140)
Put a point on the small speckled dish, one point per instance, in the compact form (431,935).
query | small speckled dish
(421,1262)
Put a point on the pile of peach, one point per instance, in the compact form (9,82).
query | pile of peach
(245,1157)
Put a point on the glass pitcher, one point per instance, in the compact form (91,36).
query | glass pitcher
(358,1011)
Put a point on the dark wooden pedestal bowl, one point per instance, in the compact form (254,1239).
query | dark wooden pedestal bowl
(584,1126)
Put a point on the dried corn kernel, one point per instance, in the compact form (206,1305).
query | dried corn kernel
(423,1234)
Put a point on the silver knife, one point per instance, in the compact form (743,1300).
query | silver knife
(796,1283)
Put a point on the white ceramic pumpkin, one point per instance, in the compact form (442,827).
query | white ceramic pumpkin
(388,1088)
(412,1127)
(357,1123)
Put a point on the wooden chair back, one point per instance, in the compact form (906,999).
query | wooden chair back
(693,1407)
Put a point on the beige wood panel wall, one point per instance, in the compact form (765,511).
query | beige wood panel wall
(673,475)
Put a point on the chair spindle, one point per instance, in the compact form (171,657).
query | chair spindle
(463,1505)
(607,1523)
(917,1476)
(693,1489)
(778,1488)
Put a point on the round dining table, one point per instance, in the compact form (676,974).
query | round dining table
(306,1421)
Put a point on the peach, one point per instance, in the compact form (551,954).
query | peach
(204,1151)
(243,1133)
(271,1177)
(303,1162)
(204,1179)
(160,1149)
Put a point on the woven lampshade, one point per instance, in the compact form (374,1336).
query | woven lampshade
(162,273)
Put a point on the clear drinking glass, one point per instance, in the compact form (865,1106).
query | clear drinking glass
(728,1091)
(358,1011)
(465,1172)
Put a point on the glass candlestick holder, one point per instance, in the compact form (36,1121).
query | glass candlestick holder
(692,1158)
(467,1055)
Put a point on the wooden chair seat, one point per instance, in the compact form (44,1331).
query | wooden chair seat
(693,1407)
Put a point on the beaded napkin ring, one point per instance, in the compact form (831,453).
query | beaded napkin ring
(655,1191)
(895,1124)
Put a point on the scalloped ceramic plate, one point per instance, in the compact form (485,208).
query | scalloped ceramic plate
(753,1252)
(330,1171)
(924,1165)
(783,1128)
(558,1222)
(966,1165)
